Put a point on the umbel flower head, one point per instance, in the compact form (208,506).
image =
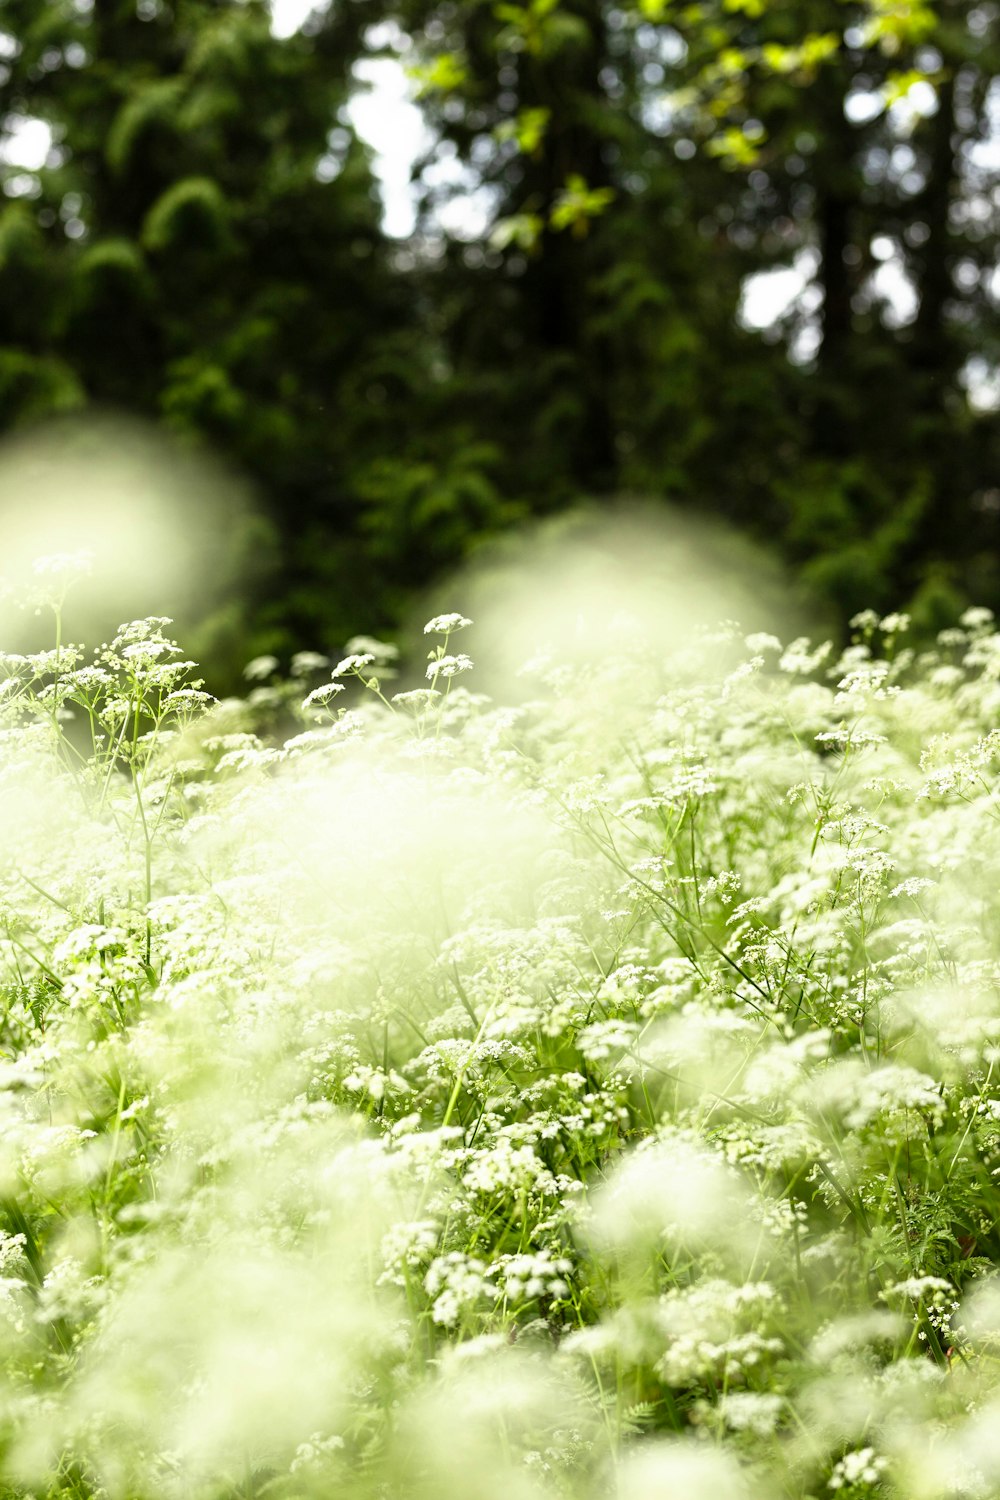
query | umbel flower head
(446,624)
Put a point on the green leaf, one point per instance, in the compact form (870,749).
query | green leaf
(154,105)
(193,212)
(443,75)
(523,230)
(577,204)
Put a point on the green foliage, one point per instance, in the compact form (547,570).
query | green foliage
(34,387)
(190,217)
(202,247)
(846,436)
(183,256)
(430,509)
(151,107)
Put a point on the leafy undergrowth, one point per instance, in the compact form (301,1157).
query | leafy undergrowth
(438,1100)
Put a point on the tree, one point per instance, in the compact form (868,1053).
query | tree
(862,453)
(589,322)
(872,168)
(201,246)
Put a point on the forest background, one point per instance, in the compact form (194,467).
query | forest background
(192,234)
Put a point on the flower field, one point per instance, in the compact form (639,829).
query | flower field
(413,1096)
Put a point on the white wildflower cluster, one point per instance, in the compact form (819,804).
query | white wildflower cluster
(801,658)
(311,1453)
(858,1472)
(591,1096)
(305,663)
(353,664)
(604,1039)
(756,1412)
(406,1248)
(448,666)
(506,1168)
(896,1098)
(456,1283)
(446,624)
(717,1331)
(529,1277)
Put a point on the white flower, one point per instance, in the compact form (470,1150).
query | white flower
(542,1274)
(445,624)
(456,1281)
(751,1411)
(354,663)
(919,1289)
(448,666)
(260,667)
(304,662)
(800,657)
(140,649)
(762,641)
(912,887)
(977,618)
(417,699)
(861,1467)
(322,694)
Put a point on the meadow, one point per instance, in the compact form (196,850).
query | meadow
(412,1095)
